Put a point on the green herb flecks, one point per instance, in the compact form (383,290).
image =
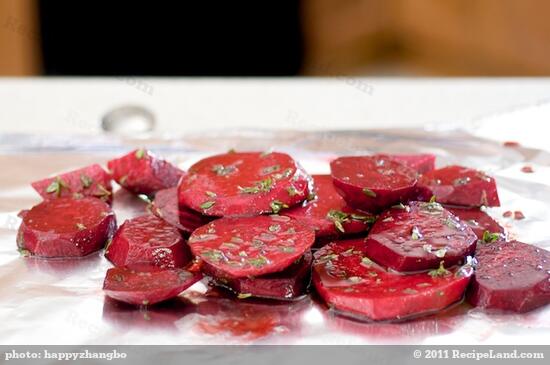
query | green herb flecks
(207,204)
(263,186)
(416,234)
(86,181)
(368,192)
(489,237)
(57,186)
(338,217)
(210,194)
(277,205)
(102,192)
(270,169)
(291,190)
(244,295)
(80,226)
(258,261)
(222,170)
(365,261)
(140,153)
(274,228)
(439,272)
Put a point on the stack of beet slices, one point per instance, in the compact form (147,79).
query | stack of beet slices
(383,237)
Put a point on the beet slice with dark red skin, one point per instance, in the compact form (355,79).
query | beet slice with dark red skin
(328,213)
(244,184)
(419,236)
(165,206)
(251,246)
(141,172)
(510,276)
(478,221)
(371,183)
(459,185)
(147,288)
(148,243)
(354,286)
(420,163)
(288,284)
(90,181)
(66,227)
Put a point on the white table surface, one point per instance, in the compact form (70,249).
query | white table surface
(76,105)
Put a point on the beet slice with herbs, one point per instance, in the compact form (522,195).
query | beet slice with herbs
(419,236)
(328,213)
(459,185)
(165,206)
(479,221)
(355,286)
(421,163)
(90,181)
(251,246)
(146,288)
(148,243)
(510,276)
(244,184)
(288,284)
(66,227)
(372,183)
(141,172)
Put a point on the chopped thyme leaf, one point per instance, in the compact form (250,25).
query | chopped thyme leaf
(489,237)
(439,272)
(56,186)
(102,191)
(220,170)
(368,192)
(210,194)
(244,295)
(80,226)
(432,199)
(270,169)
(140,153)
(277,205)
(207,204)
(274,228)
(86,181)
(257,262)
(263,186)
(365,261)
(292,191)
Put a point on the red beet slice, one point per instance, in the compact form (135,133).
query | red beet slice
(66,227)
(328,214)
(511,276)
(148,243)
(165,206)
(238,184)
(144,288)
(478,221)
(141,172)
(355,286)
(288,284)
(459,186)
(90,181)
(251,246)
(420,163)
(419,236)
(372,183)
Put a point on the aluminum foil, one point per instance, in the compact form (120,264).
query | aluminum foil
(61,301)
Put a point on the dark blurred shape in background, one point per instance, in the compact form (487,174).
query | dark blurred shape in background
(275,38)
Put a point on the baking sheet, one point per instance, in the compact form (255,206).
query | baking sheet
(61,302)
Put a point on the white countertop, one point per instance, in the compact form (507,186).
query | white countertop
(76,105)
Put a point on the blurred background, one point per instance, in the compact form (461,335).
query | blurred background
(275,38)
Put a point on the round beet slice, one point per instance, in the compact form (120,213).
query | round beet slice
(420,163)
(353,285)
(141,172)
(372,183)
(512,276)
(419,236)
(251,246)
(479,221)
(240,184)
(459,185)
(148,243)
(144,288)
(90,181)
(165,206)
(285,285)
(328,213)
(66,227)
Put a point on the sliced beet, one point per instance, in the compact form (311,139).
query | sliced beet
(145,288)
(165,206)
(512,276)
(420,163)
(148,243)
(288,284)
(66,227)
(251,246)
(141,172)
(90,181)
(459,185)
(353,285)
(240,184)
(419,236)
(328,213)
(477,220)
(372,183)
